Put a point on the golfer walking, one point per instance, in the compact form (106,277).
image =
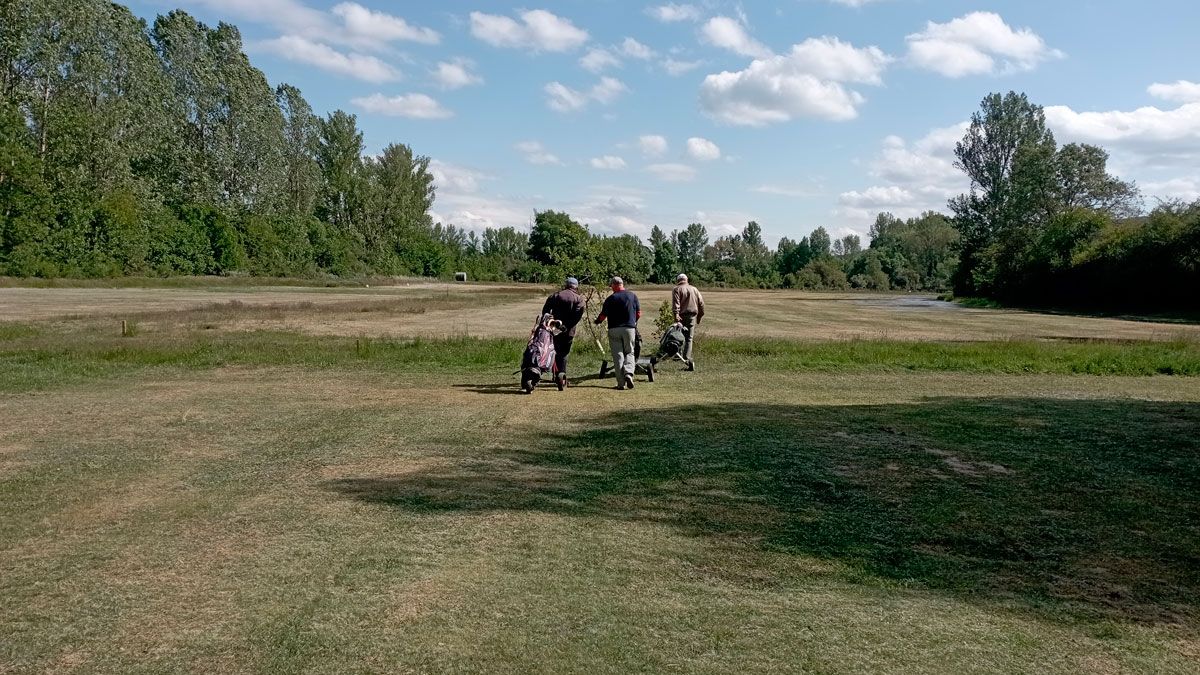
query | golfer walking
(688,305)
(622,311)
(567,306)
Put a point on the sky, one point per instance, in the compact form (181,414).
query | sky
(792,113)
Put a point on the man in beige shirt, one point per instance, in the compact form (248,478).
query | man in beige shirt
(688,306)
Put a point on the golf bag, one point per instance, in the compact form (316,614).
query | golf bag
(671,344)
(539,353)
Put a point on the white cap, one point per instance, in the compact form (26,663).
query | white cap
(681,277)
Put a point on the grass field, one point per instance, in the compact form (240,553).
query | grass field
(231,490)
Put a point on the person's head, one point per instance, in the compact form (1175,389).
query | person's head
(572,283)
(681,279)
(616,283)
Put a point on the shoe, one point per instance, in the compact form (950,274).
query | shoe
(691,365)
(562,382)
(621,387)
(629,381)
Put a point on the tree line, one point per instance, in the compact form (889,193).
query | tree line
(1048,225)
(129,148)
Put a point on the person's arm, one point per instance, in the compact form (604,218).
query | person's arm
(600,319)
(637,308)
(699,307)
(546,306)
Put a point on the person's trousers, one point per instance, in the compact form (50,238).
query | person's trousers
(689,330)
(562,349)
(620,340)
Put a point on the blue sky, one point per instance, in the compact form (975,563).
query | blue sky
(793,113)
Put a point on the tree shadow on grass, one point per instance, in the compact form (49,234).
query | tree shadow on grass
(1084,507)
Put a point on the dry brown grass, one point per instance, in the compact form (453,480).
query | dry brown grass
(438,310)
(193,527)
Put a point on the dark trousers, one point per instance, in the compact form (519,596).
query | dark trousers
(562,349)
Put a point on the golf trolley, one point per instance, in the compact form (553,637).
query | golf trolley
(539,354)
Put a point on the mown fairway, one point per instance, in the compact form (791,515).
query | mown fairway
(318,498)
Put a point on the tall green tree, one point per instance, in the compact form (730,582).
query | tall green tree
(559,242)
(1082,181)
(301,138)
(666,258)
(340,158)
(820,244)
(24,200)
(232,150)
(1008,154)
(689,245)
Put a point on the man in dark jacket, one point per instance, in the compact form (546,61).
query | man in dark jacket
(622,311)
(566,306)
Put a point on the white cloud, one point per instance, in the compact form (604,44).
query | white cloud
(702,149)
(456,74)
(598,60)
(727,33)
(1148,136)
(974,43)
(538,30)
(1180,91)
(723,223)
(675,68)
(414,106)
(290,16)
(452,179)
(672,12)
(608,90)
(536,153)
(876,197)
(1186,188)
(347,23)
(358,66)
(853,3)
(378,27)
(565,99)
(831,59)
(914,177)
(608,162)
(652,145)
(636,50)
(478,212)
(809,189)
(672,173)
(807,82)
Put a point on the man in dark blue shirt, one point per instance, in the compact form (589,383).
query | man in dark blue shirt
(622,311)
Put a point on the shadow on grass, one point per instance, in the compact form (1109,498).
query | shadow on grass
(1076,510)
(514,387)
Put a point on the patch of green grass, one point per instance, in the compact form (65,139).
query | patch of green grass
(1179,357)
(29,363)
(17,331)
